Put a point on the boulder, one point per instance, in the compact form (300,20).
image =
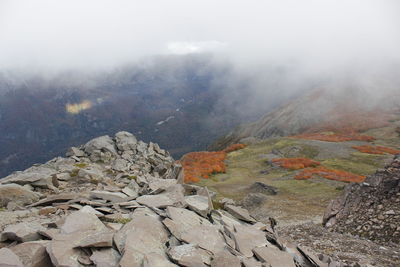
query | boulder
(199,204)
(9,258)
(74,152)
(190,255)
(225,259)
(81,221)
(274,257)
(32,254)
(37,176)
(108,257)
(101,149)
(16,194)
(239,213)
(246,238)
(125,141)
(114,197)
(22,232)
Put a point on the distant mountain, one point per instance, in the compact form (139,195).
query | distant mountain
(346,111)
(175,101)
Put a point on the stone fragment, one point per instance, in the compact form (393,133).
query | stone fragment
(74,151)
(114,197)
(47,210)
(125,141)
(199,204)
(274,257)
(259,187)
(9,258)
(36,176)
(190,255)
(251,262)
(81,221)
(89,209)
(101,239)
(32,254)
(22,232)
(157,260)
(240,213)
(108,257)
(56,199)
(247,238)
(130,192)
(225,259)
(16,194)
(159,185)
(157,201)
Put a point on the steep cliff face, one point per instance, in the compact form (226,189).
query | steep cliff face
(370,209)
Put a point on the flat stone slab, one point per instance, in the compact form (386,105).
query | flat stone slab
(9,258)
(190,255)
(239,213)
(199,204)
(274,257)
(114,197)
(22,232)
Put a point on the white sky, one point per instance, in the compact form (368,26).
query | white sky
(99,33)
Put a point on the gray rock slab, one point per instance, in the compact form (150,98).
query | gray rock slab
(22,232)
(225,259)
(32,254)
(9,258)
(190,255)
(239,213)
(199,204)
(274,257)
(16,194)
(81,221)
(247,238)
(114,197)
(108,257)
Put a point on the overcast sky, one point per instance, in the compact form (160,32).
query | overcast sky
(98,33)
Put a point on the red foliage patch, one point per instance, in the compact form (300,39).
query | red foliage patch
(199,165)
(331,174)
(234,147)
(295,163)
(335,137)
(376,150)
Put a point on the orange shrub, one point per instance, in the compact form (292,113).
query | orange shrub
(295,163)
(331,174)
(335,137)
(376,150)
(234,147)
(199,165)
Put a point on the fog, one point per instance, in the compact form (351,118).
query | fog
(313,35)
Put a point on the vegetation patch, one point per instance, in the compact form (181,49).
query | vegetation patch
(378,150)
(198,165)
(80,165)
(330,174)
(335,137)
(295,163)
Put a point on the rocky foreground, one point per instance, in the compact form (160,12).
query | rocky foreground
(121,202)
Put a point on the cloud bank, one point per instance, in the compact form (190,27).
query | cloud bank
(319,36)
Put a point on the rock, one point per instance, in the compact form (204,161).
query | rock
(173,196)
(157,185)
(64,176)
(190,255)
(81,221)
(144,234)
(108,257)
(22,232)
(90,173)
(225,259)
(253,200)
(206,237)
(9,258)
(101,149)
(37,176)
(246,238)
(274,257)
(125,141)
(251,262)
(62,252)
(89,209)
(63,197)
(157,260)
(120,165)
(74,151)
(130,192)
(240,213)
(47,210)
(199,204)
(16,194)
(102,239)
(259,187)
(32,254)
(114,197)
(227,201)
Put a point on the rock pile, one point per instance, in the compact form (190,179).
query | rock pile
(120,202)
(370,209)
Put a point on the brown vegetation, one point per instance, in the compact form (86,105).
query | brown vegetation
(295,163)
(335,137)
(199,165)
(331,174)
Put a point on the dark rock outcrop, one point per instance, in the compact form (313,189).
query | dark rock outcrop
(370,209)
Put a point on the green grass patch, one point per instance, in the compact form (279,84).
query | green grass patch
(81,165)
